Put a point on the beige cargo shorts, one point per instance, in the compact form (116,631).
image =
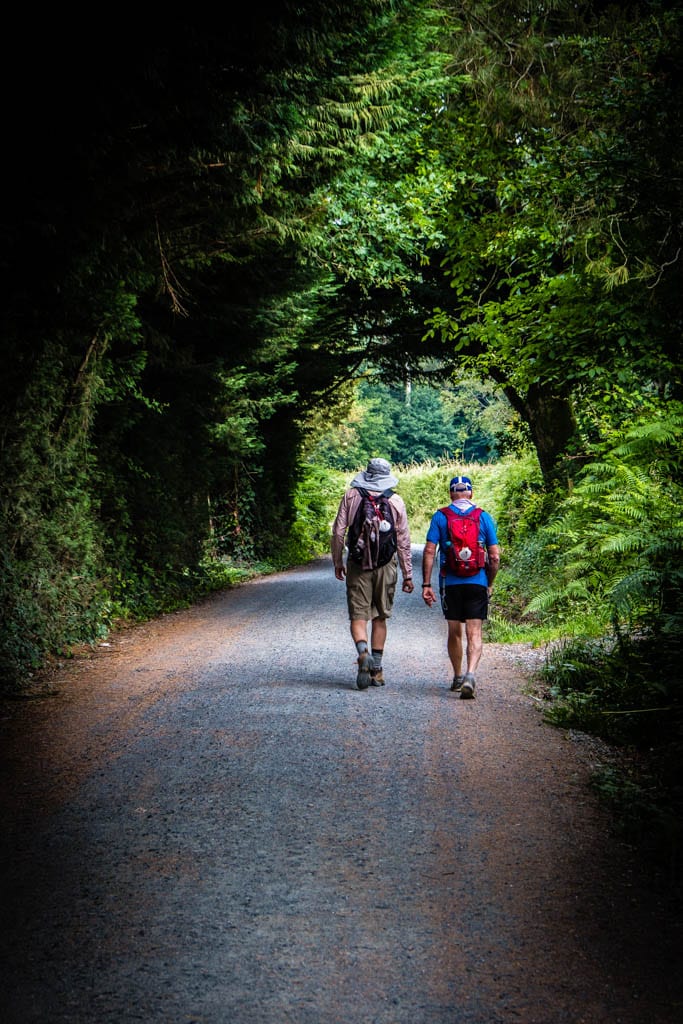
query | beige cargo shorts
(370,593)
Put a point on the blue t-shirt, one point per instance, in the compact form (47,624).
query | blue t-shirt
(438,534)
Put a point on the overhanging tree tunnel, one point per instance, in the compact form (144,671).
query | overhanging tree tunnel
(208,227)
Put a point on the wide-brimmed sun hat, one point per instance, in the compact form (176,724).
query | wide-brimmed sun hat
(376,477)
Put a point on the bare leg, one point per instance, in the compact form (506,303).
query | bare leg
(454,644)
(359,630)
(473,628)
(379,634)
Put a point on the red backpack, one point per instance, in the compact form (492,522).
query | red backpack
(465,555)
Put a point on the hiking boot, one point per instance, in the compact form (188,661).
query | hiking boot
(457,683)
(365,665)
(467,688)
(376,677)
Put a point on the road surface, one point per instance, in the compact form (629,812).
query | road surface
(208,823)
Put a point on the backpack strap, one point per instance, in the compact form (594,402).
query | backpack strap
(448,512)
(384,494)
(473,508)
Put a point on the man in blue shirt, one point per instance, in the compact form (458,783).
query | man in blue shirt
(464,600)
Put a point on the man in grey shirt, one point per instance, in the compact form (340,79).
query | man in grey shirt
(370,590)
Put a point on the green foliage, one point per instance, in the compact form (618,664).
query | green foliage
(424,488)
(561,262)
(417,424)
(624,688)
(162,324)
(517,493)
(617,544)
(619,532)
(316,500)
(52,575)
(53,590)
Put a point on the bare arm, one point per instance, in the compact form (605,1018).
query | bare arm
(427,566)
(493,565)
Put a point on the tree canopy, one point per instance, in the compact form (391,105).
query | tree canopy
(540,236)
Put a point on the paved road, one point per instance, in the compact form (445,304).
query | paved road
(208,823)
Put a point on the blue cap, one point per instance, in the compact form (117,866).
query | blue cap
(465,480)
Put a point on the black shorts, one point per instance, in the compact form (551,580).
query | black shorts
(463,601)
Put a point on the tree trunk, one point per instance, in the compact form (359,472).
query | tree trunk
(552,424)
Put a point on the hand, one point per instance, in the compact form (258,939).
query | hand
(340,571)
(428,596)
(408,586)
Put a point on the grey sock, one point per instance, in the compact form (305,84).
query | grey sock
(361,645)
(377,657)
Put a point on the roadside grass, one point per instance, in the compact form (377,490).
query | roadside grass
(503,630)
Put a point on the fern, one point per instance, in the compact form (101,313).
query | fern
(620,532)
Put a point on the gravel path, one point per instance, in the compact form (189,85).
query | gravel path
(208,823)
